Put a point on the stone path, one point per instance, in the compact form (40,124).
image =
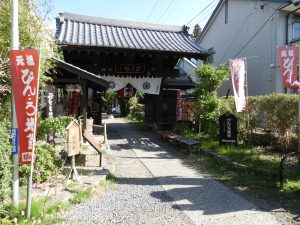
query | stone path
(156,186)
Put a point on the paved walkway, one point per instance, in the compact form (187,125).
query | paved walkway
(202,199)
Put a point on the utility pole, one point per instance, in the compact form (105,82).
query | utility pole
(14,45)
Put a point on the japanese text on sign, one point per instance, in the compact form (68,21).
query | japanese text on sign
(24,68)
(288,58)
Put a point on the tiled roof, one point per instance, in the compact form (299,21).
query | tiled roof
(78,30)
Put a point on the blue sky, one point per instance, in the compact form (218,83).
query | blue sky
(171,12)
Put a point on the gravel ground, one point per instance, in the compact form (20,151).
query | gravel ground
(130,202)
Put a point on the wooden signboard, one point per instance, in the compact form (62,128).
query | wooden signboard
(73,138)
(228,129)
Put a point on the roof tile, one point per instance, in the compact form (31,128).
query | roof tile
(81,30)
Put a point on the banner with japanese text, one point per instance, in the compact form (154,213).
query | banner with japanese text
(24,65)
(288,59)
(238,77)
(181,96)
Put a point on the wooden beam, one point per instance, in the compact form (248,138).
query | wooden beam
(84,102)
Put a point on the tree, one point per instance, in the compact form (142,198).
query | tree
(209,80)
(196,32)
(34,32)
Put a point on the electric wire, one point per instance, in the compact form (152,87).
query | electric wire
(255,34)
(172,1)
(150,14)
(239,31)
(198,14)
(207,13)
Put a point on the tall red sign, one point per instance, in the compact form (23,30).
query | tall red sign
(181,95)
(24,65)
(288,59)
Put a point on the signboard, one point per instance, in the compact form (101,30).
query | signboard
(228,129)
(288,59)
(181,95)
(130,68)
(185,108)
(24,65)
(14,140)
(73,138)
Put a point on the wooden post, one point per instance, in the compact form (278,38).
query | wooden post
(105,134)
(84,103)
(73,168)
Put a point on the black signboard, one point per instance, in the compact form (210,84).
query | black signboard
(130,68)
(228,129)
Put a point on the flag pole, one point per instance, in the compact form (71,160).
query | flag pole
(33,155)
(14,46)
(299,107)
(247,101)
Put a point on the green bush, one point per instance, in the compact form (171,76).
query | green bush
(209,80)
(274,116)
(47,165)
(136,117)
(5,163)
(51,126)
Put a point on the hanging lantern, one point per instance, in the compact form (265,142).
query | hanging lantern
(69,88)
(77,87)
(127,92)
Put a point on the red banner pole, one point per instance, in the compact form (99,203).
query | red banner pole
(33,157)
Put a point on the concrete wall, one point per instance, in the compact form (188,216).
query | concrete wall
(245,18)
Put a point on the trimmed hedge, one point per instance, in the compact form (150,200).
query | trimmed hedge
(272,119)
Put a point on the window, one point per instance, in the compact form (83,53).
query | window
(226,11)
(296,27)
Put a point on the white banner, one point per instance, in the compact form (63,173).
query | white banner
(116,83)
(147,85)
(238,72)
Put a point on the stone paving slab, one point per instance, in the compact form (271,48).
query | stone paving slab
(204,200)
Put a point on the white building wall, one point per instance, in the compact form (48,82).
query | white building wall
(245,18)
(189,67)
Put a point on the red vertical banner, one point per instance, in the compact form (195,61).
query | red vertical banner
(181,96)
(24,65)
(238,77)
(288,59)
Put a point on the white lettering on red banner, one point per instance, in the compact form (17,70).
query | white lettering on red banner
(288,58)
(24,68)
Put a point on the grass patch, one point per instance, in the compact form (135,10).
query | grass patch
(111,177)
(54,209)
(292,187)
(18,215)
(72,187)
(81,196)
